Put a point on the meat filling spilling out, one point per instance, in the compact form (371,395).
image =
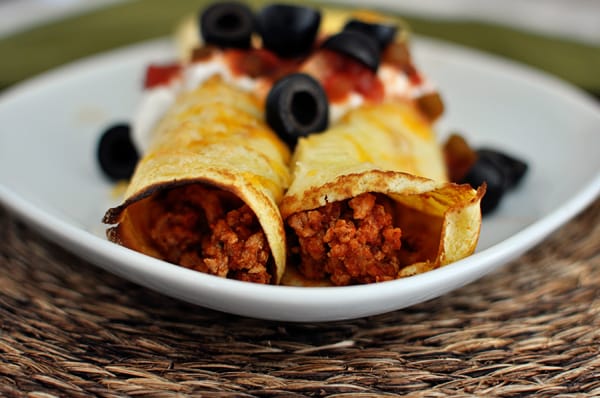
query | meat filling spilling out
(210,231)
(348,242)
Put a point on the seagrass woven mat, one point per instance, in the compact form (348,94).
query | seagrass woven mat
(70,329)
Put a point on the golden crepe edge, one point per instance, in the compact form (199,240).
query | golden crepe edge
(457,205)
(260,187)
(387,149)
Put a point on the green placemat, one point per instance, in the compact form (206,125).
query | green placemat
(45,47)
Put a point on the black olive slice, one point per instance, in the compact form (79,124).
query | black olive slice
(357,45)
(513,168)
(116,153)
(227,25)
(487,171)
(296,107)
(382,33)
(288,30)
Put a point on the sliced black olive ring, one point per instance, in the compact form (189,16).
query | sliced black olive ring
(499,171)
(382,33)
(288,30)
(356,45)
(297,106)
(514,169)
(116,153)
(227,25)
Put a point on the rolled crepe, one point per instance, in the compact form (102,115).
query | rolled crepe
(369,201)
(205,194)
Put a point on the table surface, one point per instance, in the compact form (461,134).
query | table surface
(68,328)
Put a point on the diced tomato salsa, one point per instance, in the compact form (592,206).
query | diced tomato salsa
(345,75)
(158,75)
(339,74)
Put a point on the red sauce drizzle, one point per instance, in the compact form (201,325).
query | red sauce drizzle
(339,74)
(346,75)
(158,75)
(413,74)
(258,62)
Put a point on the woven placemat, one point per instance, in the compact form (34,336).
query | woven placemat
(70,329)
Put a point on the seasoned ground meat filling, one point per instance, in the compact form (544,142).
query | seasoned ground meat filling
(352,241)
(210,231)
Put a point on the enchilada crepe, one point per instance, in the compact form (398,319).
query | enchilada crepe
(205,194)
(369,201)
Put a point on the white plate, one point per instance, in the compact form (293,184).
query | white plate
(48,174)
